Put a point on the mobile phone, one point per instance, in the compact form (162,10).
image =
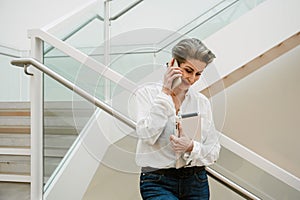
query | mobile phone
(176,81)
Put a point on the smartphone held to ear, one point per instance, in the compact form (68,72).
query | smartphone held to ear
(176,81)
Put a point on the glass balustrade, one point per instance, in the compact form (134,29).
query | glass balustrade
(82,29)
(142,62)
(19,82)
(252,178)
(220,191)
(65,113)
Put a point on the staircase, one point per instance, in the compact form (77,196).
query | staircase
(15,142)
(62,125)
(15,150)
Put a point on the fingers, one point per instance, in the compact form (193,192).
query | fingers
(181,144)
(176,143)
(171,74)
(172,62)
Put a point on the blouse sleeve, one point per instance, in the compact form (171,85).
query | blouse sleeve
(153,110)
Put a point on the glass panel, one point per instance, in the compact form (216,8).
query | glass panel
(140,61)
(202,20)
(19,82)
(83,30)
(175,15)
(219,191)
(252,178)
(219,17)
(75,72)
(65,115)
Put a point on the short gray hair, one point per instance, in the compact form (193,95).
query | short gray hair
(192,48)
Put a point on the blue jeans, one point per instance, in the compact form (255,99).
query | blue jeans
(177,186)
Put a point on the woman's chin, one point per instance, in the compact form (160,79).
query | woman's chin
(185,84)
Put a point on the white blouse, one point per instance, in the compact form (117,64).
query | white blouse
(156,122)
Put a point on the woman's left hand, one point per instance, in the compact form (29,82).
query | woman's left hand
(181,143)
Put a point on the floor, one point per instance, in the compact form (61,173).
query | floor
(14,191)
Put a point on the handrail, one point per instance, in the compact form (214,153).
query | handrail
(83,58)
(25,62)
(261,162)
(230,184)
(125,10)
(162,44)
(89,7)
(9,55)
(11,52)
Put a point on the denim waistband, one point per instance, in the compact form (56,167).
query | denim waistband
(184,171)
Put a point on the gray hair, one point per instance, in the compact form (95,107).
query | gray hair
(192,48)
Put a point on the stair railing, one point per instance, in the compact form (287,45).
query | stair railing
(38,37)
(26,62)
(82,58)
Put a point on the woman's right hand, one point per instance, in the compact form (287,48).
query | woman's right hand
(171,74)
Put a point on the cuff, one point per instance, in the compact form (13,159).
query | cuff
(189,156)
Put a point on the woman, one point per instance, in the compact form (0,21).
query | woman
(158,145)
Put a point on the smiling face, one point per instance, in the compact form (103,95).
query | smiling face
(191,71)
(193,57)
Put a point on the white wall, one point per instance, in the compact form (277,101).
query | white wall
(262,111)
(16,17)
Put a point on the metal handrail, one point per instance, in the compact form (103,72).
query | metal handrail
(92,19)
(25,62)
(194,27)
(230,184)
(159,44)
(122,12)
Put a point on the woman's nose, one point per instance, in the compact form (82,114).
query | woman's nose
(192,78)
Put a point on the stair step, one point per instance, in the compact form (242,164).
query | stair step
(14,129)
(19,164)
(63,123)
(14,151)
(23,141)
(22,178)
(50,165)
(14,140)
(15,105)
(48,130)
(15,164)
(20,113)
(67,112)
(14,121)
(55,152)
(60,131)
(59,141)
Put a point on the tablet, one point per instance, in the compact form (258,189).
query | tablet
(191,125)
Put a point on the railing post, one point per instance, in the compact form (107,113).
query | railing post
(36,99)
(107,47)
